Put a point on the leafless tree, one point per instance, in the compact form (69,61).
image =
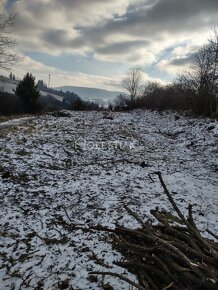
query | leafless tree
(7,43)
(133,83)
(201,78)
(121,102)
(214,45)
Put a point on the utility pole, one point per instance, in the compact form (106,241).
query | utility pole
(49,80)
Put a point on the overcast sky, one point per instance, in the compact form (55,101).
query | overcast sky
(94,42)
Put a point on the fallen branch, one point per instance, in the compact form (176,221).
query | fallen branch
(169,255)
(121,277)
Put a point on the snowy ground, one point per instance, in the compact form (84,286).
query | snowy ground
(84,169)
(7,85)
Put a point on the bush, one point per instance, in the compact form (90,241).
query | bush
(9,104)
(156,97)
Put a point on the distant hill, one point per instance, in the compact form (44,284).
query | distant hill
(50,99)
(8,85)
(102,97)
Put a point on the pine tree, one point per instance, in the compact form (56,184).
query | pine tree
(29,94)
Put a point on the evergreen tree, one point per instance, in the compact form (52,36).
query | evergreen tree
(29,94)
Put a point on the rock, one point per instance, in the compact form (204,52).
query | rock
(108,115)
(210,128)
(60,114)
(6,174)
(63,284)
(143,164)
(93,279)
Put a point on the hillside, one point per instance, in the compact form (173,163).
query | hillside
(83,169)
(49,99)
(7,85)
(102,97)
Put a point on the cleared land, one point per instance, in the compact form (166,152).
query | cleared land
(83,169)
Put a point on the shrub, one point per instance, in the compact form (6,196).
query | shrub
(9,104)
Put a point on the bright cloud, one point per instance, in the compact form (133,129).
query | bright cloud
(159,35)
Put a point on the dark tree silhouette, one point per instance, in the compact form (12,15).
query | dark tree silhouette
(201,78)
(28,91)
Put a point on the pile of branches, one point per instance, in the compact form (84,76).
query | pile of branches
(170,254)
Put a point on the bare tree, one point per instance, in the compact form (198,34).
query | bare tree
(214,45)
(7,57)
(133,83)
(201,78)
(205,68)
(121,102)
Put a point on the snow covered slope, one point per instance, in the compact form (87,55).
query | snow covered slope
(59,98)
(9,86)
(102,97)
(83,169)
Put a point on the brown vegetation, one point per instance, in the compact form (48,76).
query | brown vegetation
(170,254)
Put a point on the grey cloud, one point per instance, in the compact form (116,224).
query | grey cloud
(121,47)
(59,38)
(146,22)
(166,16)
(183,15)
(77,4)
(56,37)
(182,61)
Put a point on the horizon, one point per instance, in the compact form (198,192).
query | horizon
(94,45)
(81,87)
(60,87)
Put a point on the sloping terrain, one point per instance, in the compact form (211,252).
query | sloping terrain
(102,97)
(9,86)
(82,169)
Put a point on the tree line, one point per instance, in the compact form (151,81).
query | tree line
(195,90)
(27,99)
